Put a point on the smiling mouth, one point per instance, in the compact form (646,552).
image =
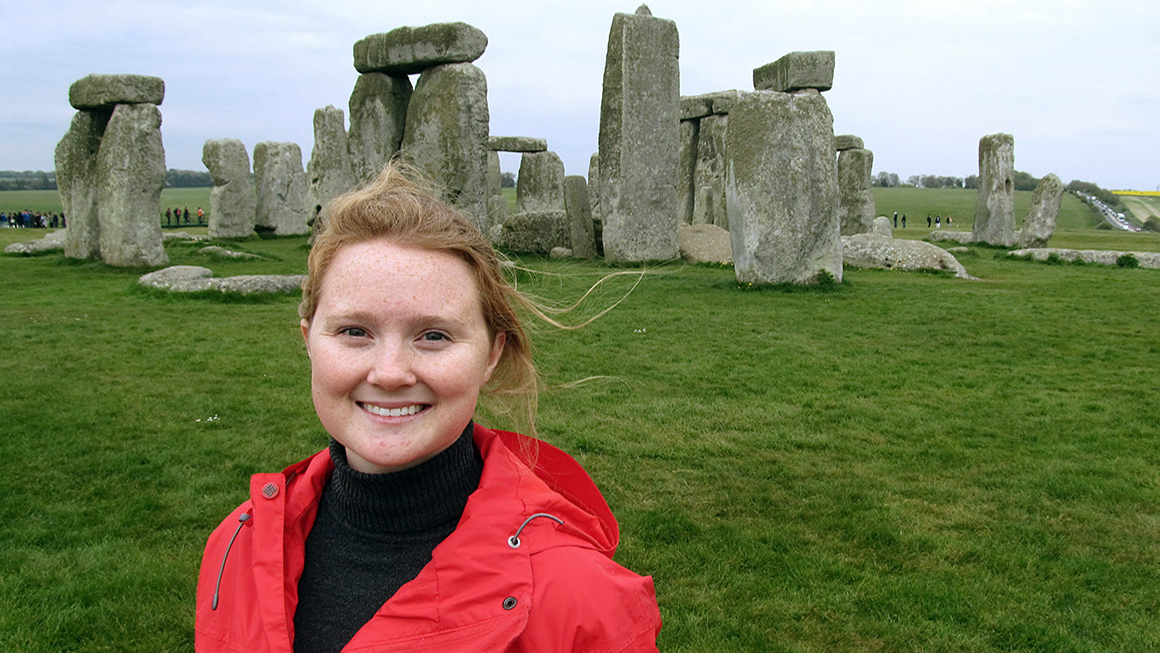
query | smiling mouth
(393,412)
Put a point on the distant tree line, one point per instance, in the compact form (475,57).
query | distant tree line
(40,180)
(27,180)
(1022,181)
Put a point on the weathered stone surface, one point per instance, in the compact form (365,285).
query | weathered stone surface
(409,50)
(107,91)
(378,112)
(183,236)
(1150,260)
(995,203)
(497,211)
(175,274)
(877,251)
(594,185)
(882,227)
(494,175)
(692,107)
(964,237)
(52,242)
(579,217)
(796,71)
(536,232)
(76,179)
(232,202)
(329,173)
(446,135)
(709,176)
(705,243)
(130,175)
(1039,224)
(782,188)
(192,278)
(686,187)
(856,208)
(848,142)
(559,253)
(221,252)
(640,140)
(280,185)
(516,144)
(540,185)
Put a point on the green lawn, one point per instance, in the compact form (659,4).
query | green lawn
(48,201)
(959,203)
(910,463)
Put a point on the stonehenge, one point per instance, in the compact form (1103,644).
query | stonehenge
(995,203)
(378,112)
(856,208)
(110,170)
(1039,224)
(701,184)
(579,212)
(797,71)
(329,173)
(232,201)
(540,185)
(640,139)
(280,186)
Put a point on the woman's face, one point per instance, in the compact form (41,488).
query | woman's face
(398,352)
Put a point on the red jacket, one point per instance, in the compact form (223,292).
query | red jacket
(555,588)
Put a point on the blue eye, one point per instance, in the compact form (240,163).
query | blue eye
(355,332)
(434,336)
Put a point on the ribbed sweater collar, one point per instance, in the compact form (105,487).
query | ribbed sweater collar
(408,501)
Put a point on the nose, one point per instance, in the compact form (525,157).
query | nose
(392,366)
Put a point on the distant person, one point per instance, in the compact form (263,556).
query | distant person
(903,220)
(200,214)
(186,212)
(948,221)
(168,216)
(938,222)
(928,222)
(896,219)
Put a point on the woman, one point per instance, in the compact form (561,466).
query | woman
(418,530)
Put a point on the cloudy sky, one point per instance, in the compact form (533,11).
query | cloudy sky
(1077,82)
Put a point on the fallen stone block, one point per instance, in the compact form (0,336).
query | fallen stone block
(877,251)
(705,243)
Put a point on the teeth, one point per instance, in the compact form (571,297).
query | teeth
(393,412)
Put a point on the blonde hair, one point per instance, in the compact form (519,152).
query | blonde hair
(401,207)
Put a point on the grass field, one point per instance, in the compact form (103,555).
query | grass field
(1142,207)
(912,462)
(48,201)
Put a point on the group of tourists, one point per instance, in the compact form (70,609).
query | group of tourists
(175,217)
(32,220)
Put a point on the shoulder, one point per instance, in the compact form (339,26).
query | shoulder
(583,601)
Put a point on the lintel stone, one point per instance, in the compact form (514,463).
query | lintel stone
(409,50)
(516,144)
(698,106)
(107,91)
(796,71)
(848,142)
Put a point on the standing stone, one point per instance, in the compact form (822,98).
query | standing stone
(232,202)
(686,187)
(409,50)
(796,71)
(709,177)
(995,203)
(579,216)
(640,139)
(848,142)
(782,189)
(594,185)
(130,174)
(77,181)
(856,209)
(540,185)
(280,184)
(329,173)
(496,202)
(447,133)
(378,111)
(1039,224)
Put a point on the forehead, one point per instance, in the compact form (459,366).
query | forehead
(382,272)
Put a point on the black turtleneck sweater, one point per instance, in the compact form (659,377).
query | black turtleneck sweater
(373,533)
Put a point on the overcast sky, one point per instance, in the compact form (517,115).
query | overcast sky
(1077,82)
